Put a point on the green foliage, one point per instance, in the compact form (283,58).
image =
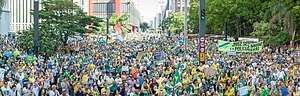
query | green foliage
(193,21)
(262,18)
(122,20)
(59,20)
(177,22)
(281,38)
(144,26)
(264,30)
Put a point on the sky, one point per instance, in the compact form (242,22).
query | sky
(149,8)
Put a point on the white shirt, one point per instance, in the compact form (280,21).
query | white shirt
(280,75)
(52,93)
(2,74)
(118,80)
(6,90)
(15,93)
(36,91)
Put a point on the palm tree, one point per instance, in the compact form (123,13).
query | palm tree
(283,15)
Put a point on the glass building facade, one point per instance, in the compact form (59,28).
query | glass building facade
(105,10)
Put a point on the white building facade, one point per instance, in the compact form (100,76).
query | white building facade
(5,19)
(21,19)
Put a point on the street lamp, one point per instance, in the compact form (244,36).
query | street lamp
(107,28)
(185,26)
(35,26)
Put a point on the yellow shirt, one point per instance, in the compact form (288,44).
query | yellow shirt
(215,66)
(92,66)
(185,82)
(229,93)
(104,90)
(85,78)
(31,79)
(161,92)
(194,70)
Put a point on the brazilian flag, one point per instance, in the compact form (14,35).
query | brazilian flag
(177,76)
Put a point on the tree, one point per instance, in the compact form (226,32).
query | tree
(144,26)
(59,20)
(122,20)
(193,21)
(177,22)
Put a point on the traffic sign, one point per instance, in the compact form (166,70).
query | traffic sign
(202,39)
(202,45)
(202,57)
(202,50)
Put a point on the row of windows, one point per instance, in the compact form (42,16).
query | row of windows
(100,10)
(20,13)
(103,7)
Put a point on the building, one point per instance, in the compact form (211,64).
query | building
(5,19)
(155,23)
(159,19)
(177,5)
(21,19)
(105,9)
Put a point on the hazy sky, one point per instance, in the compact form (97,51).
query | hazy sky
(149,8)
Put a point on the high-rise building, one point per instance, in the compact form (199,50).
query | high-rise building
(21,19)
(4,19)
(151,24)
(105,8)
(155,22)
(177,5)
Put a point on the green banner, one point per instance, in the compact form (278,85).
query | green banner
(242,46)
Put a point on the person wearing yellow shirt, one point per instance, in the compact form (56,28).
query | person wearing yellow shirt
(168,72)
(161,91)
(85,78)
(229,92)
(216,66)
(31,79)
(105,89)
(185,81)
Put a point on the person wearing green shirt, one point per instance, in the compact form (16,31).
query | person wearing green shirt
(179,91)
(190,88)
(113,89)
(169,91)
(266,91)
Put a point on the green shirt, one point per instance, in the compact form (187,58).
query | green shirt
(265,92)
(190,89)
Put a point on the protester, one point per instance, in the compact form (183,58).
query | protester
(134,68)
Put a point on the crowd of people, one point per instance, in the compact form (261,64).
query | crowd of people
(129,68)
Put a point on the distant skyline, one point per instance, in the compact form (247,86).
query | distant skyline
(149,8)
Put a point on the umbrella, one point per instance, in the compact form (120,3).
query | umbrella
(102,41)
(16,53)
(7,54)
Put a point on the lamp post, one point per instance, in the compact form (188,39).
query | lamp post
(185,26)
(107,28)
(36,25)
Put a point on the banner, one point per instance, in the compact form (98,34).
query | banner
(242,46)
(159,55)
(243,91)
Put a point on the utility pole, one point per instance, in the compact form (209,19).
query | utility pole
(36,25)
(185,26)
(107,28)
(202,32)
(226,33)
(169,29)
